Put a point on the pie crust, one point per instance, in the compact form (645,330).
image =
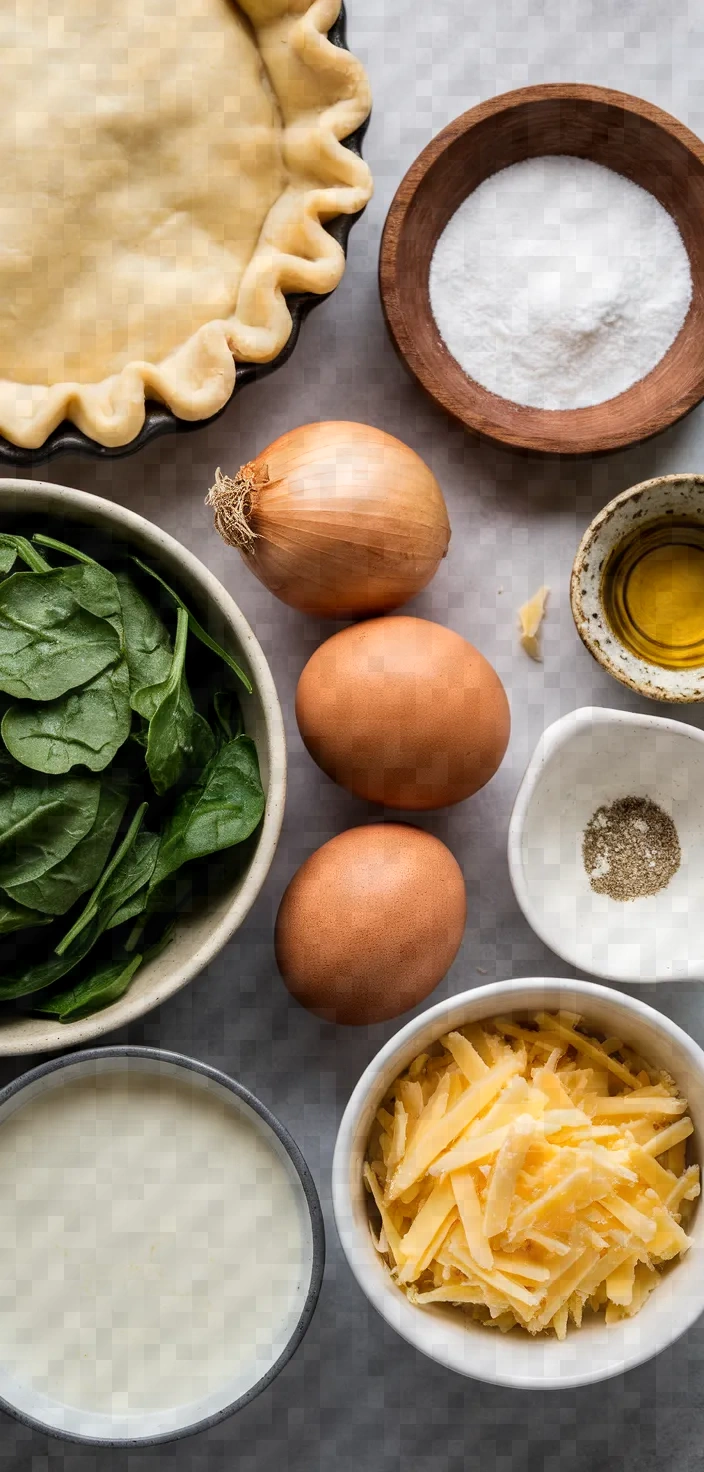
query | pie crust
(168,167)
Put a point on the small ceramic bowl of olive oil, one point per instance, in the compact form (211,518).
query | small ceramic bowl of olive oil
(638,588)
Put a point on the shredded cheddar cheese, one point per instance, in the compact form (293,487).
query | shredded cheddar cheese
(524,1171)
(530,617)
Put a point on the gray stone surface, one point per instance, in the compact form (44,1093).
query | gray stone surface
(356,1397)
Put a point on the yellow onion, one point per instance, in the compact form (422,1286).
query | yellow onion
(338,520)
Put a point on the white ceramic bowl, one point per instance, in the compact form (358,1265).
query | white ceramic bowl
(597,1350)
(595,756)
(197,937)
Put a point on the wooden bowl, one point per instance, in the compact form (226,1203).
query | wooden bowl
(621,132)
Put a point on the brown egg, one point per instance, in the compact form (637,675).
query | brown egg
(370,923)
(404,712)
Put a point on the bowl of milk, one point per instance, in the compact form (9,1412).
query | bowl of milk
(161,1246)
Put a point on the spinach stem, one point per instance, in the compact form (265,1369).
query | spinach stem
(197,629)
(27,552)
(63,547)
(91,908)
(134,935)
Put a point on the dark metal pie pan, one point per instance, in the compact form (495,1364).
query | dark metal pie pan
(66,439)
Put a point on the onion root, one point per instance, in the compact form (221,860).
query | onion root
(234,502)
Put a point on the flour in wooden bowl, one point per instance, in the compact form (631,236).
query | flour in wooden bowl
(559,283)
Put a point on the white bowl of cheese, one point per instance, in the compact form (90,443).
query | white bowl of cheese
(559,1351)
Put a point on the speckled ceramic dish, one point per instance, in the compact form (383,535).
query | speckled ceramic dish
(666,495)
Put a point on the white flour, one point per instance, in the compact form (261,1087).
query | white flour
(559,283)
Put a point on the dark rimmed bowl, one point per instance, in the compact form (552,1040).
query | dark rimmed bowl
(66,439)
(76,1426)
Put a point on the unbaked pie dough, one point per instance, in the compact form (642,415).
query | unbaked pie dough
(167,168)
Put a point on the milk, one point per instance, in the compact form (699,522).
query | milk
(152,1243)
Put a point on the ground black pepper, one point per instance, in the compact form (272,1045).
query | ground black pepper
(630,849)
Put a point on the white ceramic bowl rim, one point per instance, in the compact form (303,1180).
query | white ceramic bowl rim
(37,496)
(317,1263)
(506,996)
(553,738)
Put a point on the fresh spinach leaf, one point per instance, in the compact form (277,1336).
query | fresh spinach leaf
(147,641)
(64,547)
(134,906)
(80,648)
(197,629)
(165,899)
(130,867)
(85,727)
(20,547)
(41,822)
(147,699)
(140,735)
(178,736)
(132,875)
(203,743)
(60,887)
(95,586)
(228,716)
(36,976)
(88,929)
(220,810)
(50,641)
(107,984)
(16,917)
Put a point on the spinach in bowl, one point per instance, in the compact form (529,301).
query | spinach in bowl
(123,763)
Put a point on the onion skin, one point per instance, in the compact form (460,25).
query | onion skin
(338,520)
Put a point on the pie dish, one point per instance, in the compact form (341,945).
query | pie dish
(167,187)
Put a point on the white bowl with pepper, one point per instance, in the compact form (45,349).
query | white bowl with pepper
(606,845)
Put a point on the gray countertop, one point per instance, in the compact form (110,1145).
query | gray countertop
(357,1397)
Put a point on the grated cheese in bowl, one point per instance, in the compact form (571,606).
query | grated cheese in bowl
(527,1171)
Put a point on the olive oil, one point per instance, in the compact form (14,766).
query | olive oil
(652,593)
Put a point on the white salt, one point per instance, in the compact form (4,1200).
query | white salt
(559,283)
